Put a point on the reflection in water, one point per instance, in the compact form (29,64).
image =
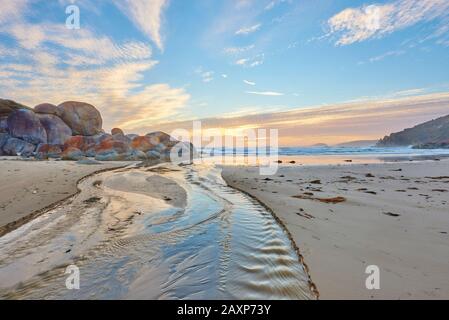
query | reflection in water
(138,234)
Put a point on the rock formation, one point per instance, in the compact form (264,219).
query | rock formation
(83,118)
(73,131)
(431,132)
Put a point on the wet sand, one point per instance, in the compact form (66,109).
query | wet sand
(28,187)
(345,218)
(167,232)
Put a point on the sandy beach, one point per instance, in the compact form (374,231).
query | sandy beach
(344,218)
(31,186)
(165,232)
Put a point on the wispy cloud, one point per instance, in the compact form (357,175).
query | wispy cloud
(272,4)
(12,10)
(374,21)
(248,30)
(251,62)
(266,93)
(394,53)
(363,120)
(49,63)
(250,83)
(238,50)
(146,15)
(410,92)
(206,76)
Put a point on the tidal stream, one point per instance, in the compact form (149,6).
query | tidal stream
(168,232)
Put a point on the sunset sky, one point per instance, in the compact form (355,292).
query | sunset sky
(319,71)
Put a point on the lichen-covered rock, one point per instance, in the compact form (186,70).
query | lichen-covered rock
(7,107)
(25,124)
(142,143)
(79,142)
(109,155)
(83,118)
(132,136)
(18,147)
(99,138)
(72,154)
(117,131)
(57,131)
(153,155)
(121,138)
(47,108)
(158,137)
(109,145)
(135,155)
(45,151)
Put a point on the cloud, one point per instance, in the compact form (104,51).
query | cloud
(251,62)
(146,15)
(46,62)
(266,93)
(206,76)
(410,92)
(362,120)
(272,4)
(12,10)
(238,50)
(387,54)
(374,21)
(250,83)
(248,30)
(224,76)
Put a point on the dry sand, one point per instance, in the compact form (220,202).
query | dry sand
(27,187)
(395,216)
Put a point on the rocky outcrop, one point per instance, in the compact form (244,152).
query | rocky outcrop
(3,124)
(46,151)
(117,131)
(14,146)
(158,138)
(57,131)
(142,143)
(72,154)
(7,107)
(3,138)
(24,124)
(72,131)
(48,108)
(83,118)
(435,131)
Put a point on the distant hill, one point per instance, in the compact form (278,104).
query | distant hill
(357,144)
(431,132)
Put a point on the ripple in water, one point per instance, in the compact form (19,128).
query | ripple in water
(131,239)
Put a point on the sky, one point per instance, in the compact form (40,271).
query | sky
(319,71)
